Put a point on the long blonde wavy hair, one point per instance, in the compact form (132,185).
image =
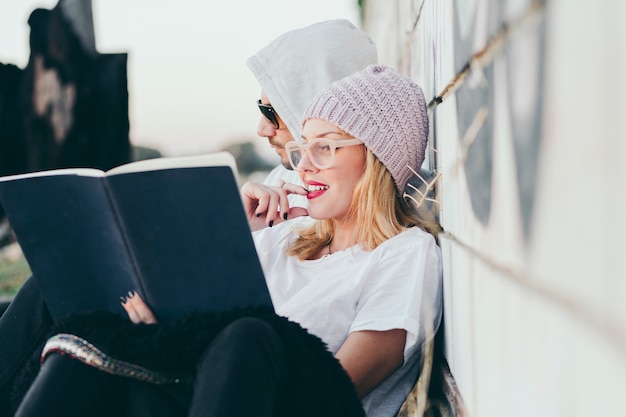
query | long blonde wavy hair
(378,211)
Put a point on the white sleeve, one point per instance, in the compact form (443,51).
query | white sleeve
(402,290)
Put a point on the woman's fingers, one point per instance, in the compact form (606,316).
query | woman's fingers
(267,205)
(274,203)
(263,201)
(137,310)
(294,188)
(133,315)
(256,198)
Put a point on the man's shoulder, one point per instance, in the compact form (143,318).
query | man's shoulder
(281,173)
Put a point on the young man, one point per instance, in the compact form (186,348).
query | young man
(291,70)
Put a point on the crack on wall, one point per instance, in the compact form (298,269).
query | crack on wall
(419,15)
(485,56)
(594,321)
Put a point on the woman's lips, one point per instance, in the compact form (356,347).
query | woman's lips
(315,189)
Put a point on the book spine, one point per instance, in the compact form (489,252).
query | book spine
(138,279)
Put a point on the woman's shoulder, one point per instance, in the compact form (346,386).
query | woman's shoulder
(410,242)
(411,237)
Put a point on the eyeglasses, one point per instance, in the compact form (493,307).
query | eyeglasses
(270,114)
(321,151)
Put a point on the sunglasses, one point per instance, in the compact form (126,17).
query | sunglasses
(270,114)
(321,151)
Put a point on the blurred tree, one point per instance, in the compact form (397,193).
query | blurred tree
(248,159)
(140,153)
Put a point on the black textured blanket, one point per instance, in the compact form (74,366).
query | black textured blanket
(317,385)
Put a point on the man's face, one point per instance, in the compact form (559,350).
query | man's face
(277,137)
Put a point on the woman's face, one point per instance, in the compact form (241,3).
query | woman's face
(330,189)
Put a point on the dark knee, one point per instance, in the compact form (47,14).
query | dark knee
(247,338)
(248,329)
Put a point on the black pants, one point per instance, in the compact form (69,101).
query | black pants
(239,374)
(3,307)
(24,327)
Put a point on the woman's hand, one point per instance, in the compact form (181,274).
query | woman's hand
(137,310)
(266,205)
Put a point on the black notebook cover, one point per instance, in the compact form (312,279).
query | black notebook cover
(176,233)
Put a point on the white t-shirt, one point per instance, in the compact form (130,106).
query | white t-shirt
(397,285)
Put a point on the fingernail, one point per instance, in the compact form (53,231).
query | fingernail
(123,300)
(271,223)
(285,216)
(258,214)
(131,294)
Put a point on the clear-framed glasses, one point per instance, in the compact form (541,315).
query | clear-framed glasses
(270,114)
(321,151)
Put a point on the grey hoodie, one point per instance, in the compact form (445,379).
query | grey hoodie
(293,68)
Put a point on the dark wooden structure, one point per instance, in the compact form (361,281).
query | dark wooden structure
(69,106)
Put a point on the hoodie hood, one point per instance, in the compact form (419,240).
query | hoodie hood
(296,66)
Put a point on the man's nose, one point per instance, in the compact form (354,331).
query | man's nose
(265,128)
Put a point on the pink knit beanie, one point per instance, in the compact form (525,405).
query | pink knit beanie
(385,110)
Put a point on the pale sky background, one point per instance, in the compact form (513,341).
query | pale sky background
(190,90)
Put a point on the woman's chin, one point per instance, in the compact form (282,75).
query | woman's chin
(316,213)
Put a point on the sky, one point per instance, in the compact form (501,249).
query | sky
(190,90)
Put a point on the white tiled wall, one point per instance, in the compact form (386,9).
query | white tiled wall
(535,325)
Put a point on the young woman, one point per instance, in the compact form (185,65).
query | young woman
(355,285)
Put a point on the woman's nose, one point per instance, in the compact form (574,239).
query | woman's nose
(305,163)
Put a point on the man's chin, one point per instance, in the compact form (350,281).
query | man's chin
(286,164)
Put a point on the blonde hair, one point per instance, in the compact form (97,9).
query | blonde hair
(377,210)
